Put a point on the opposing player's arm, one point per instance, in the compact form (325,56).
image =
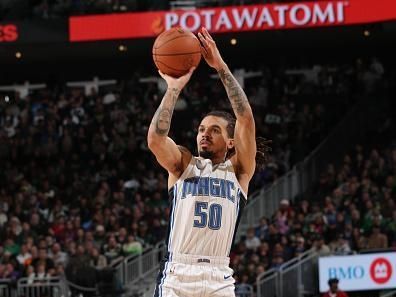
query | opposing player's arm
(163,147)
(245,130)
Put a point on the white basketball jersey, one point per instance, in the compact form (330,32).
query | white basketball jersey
(207,202)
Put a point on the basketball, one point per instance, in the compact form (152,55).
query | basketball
(175,51)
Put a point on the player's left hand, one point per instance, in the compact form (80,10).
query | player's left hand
(209,50)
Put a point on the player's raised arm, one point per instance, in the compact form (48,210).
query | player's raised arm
(168,154)
(245,131)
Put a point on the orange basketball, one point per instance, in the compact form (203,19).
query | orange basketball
(175,51)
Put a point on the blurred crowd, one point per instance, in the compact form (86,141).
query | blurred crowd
(352,209)
(78,182)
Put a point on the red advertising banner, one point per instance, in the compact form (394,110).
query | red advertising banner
(8,33)
(233,19)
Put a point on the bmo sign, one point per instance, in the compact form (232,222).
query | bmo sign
(359,272)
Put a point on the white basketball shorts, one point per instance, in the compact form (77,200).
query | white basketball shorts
(195,276)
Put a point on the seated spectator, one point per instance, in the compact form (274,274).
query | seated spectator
(57,255)
(112,249)
(261,231)
(132,247)
(277,262)
(122,236)
(377,240)
(24,258)
(30,274)
(41,271)
(97,260)
(252,242)
(320,247)
(10,272)
(340,246)
(43,259)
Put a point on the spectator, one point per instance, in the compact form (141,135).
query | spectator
(43,259)
(300,246)
(112,249)
(377,240)
(252,242)
(57,255)
(320,247)
(261,231)
(132,247)
(341,246)
(97,260)
(24,258)
(30,274)
(334,291)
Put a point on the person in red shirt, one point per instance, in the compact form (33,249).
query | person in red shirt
(334,291)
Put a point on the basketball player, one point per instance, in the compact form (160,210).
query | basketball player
(208,192)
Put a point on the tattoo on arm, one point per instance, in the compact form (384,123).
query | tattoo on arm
(163,116)
(235,93)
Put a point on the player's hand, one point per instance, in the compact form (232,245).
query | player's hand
(209,50)
(177,83)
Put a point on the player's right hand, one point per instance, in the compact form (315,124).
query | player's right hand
(177,83)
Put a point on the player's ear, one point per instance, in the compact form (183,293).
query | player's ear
(230,143)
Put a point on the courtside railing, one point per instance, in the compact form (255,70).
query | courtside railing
(297,277)
(38,287)
(267,283)
(265,202)
(137,268)
(6,288)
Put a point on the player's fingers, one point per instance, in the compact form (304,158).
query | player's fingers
(203,41)
(206,33)
(201,37)
(203,51)
(163,75)
(186,77)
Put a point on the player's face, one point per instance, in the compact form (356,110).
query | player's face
(212,138)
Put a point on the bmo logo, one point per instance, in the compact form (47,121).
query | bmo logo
(374,271)
(8,33)
(380,270)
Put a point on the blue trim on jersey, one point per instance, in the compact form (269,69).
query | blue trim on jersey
(172,221)
(236,220)
(240,206)
(239,199)
(163,279)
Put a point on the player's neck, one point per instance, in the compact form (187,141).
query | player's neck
(216,161)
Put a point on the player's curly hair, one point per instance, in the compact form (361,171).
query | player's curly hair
(262,144)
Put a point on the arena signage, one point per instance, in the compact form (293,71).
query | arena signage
(34,31)
(8,33)
(259,17)
(359,272)
(233,19)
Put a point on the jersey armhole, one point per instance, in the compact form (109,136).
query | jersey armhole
(238,184)
(185,172)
